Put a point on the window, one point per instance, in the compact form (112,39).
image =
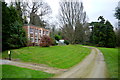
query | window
(31,30)
(43,32)
(36,40)
(39,31)
(46,32)
(31,39)
(36,31)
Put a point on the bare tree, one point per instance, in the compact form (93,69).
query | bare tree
(22,9)
(73,19)
(33,10)
(37,11)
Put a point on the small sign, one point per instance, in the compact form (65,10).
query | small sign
(8,52)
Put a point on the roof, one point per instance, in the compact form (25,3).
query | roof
(36,27)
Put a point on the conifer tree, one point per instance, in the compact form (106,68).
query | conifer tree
(102,33)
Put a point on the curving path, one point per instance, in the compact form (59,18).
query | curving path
(93,66)
(40,67)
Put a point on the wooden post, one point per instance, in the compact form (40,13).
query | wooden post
(9,53)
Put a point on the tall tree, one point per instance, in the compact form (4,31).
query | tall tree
(37,11)
(94,38)
(79,33)
(72,17)
(110,35)
(103,33)
(117,15)
(13,35)
(21,8)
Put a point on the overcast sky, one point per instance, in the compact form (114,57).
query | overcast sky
(94,9)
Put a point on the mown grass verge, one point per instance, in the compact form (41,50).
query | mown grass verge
(111,59)
(9,71)
(55,56)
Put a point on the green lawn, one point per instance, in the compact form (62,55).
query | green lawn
(111,58)
(0,72)
(9,71)
(54,56)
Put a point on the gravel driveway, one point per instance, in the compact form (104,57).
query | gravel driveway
(93,66)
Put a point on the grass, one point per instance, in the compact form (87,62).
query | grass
(111,59)
(55,56)
(0,72)
(9,71)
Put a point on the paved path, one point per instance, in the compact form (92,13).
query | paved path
(39,67)
(93,66)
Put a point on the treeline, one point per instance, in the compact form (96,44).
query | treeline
(76,30)
(100,33)
(73,23)
(13,35)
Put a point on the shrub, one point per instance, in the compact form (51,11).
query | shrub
(57,37)
(66,42)
(46,41)
(54,42)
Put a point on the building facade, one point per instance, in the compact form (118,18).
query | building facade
(34,34)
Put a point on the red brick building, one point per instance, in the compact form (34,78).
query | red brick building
(34,33)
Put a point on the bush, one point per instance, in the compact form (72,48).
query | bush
(66,42)
(57,37)
(54,42)
(46,41)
